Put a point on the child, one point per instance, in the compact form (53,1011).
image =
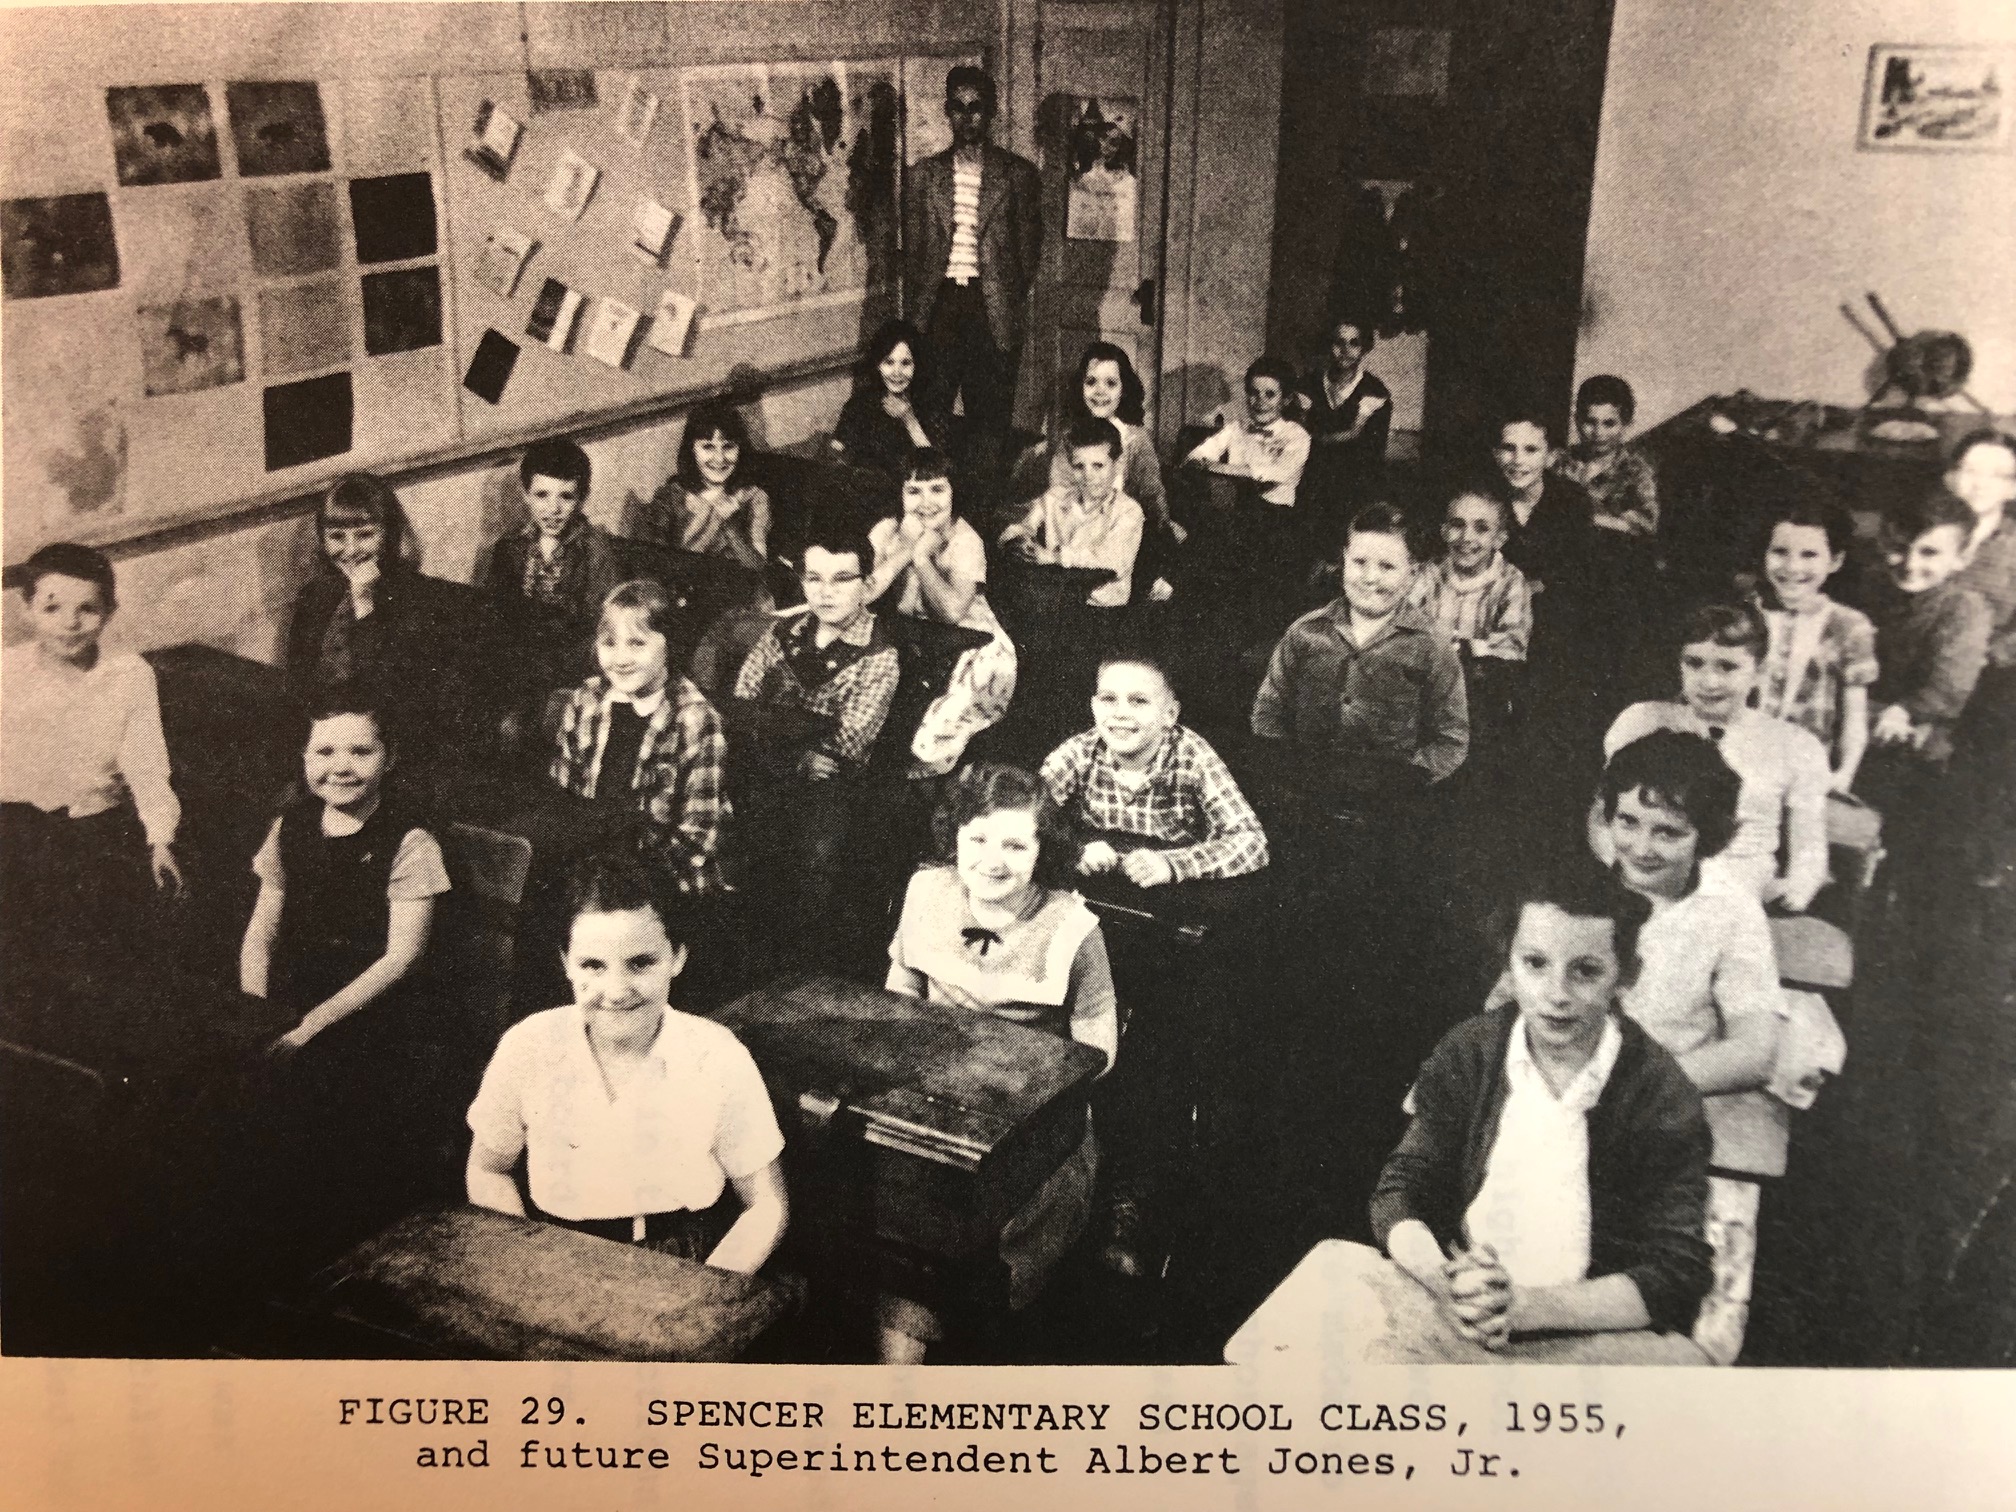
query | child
(543,585)
(1270,450)
(1480,601)
(1932,629)
(894,409)
(347,883)
(84,776)
(642,740)
(1822,655)
(1783,768)
(1348,413)
(633,1118)
(1554,1174)
(1106,387)
(994,928)
(1364,680)
(1983,473)
(703,507)
(1551,532)
(1091,523)
(938,564)
(1617,478)
(1157,802)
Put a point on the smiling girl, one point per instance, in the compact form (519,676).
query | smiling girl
(708,505)
(894,408)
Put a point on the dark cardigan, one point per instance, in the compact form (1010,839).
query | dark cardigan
(419,652)
(1557,541)
(1648,1161)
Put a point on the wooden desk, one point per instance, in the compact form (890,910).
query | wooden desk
(918,1124)
(471,1284)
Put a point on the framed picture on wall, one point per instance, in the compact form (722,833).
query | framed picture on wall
(1937,99)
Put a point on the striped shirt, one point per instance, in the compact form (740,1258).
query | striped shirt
(962,266)
(1492,613)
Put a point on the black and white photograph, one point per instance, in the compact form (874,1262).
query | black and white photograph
(1369,727)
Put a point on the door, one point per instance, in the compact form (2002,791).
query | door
(1102,142)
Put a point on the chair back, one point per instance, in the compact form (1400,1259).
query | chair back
(476,930)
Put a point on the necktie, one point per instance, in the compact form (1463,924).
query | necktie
(1715,733)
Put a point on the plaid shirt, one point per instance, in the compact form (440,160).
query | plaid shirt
(1492,614)
(1190,801)
(678,781)
(853,677)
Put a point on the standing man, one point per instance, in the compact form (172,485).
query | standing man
(973,230)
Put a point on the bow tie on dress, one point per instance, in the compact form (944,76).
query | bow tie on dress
(975,935)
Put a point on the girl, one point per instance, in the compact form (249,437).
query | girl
(642,740)
(706,506)
(993,927)
(939,565)
(894,409)
(84,787)
(1822,655)
(347,883)
(633,1118)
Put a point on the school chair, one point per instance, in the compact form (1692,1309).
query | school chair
(1855,855)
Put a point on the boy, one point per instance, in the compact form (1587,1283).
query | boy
(1783,768)
(1363,679)
(1348,413)
(1616,477)
(1157,800)
(1092,522)
(1473,595)
(1932,630)
(1822,656)
(1268,449)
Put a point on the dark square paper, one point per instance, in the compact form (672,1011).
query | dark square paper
(293,229)
(561,89)
(307,421)
(402,310)
(490,368)
(163,134)
(278,128)
(394,217)
(62,245)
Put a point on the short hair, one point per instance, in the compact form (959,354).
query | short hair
(927,464)
(1132,655)
(1367,331)
(1382,519)
(966,76)
(1738,625)
(1133,397)
(1583,889)
(888,336)
(609,882)
(1987,435)
(710,418)
(1090,430)
(989,787)
(833,532)
(645,596)
(1680,771)
(557,457)
(1522,414)
(1607,388)
(67,559)
(1812,508)
(1267,365)
(363,498)
(346,696)
(1485,493)
(1904,523)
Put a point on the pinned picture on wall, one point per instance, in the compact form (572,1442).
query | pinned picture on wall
(59,245)
(191,345)
(493,140)
(303,326)
(402,310)
(572,185)
(490,369)
(636,113)
(610,333)
(554,315)
(652,228)
(561,89)
(1937,99)
(278,128)
(163,134)
(393,217)
(294,228)
(502,261)
(308,421)
(1101,152)
(672,323)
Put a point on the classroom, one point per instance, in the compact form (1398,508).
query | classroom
(1009,682)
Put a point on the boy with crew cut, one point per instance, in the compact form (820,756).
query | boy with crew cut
(1091,522)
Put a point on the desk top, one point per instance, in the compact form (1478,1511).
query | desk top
(475,1284)
(168,1026)
(1805,426)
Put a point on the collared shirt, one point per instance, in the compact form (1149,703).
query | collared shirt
(83,742)
(962,264)
(1272,455)
(551,580)
(1812,658)
(677,779)
(1932,646)
(1108,536)
(853,677)
(694,1118)
(1533,1208)
(1992,574)
(1187,800)
(1622,486)
(1401,696)
(1492,612)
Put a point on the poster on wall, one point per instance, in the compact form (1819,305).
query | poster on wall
(1102,147)
(793,183)
(1937,99)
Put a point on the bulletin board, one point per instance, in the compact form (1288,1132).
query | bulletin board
(221,293)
